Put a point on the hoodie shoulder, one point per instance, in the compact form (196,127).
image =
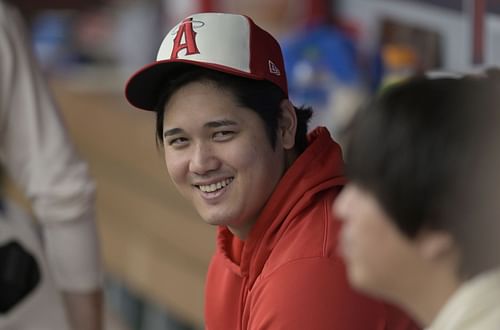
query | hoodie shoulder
(312,233)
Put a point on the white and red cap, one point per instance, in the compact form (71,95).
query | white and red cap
(229,43)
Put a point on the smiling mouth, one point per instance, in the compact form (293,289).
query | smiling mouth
(213,187)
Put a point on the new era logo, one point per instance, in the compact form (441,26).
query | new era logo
(273,68)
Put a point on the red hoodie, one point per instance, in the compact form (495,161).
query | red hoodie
(287,274)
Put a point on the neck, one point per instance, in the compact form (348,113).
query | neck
(243,231)
(290,157)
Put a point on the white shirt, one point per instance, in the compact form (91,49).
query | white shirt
(36,152)
(475,306)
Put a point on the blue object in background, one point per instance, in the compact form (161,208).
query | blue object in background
(316,60)
(52,39)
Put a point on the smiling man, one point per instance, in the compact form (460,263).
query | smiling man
(237,149)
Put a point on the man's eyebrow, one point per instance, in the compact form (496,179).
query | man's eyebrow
(210,124)
(172,131)
(220,123)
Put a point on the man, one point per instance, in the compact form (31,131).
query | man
(237,149)
(421,213)
(54,284)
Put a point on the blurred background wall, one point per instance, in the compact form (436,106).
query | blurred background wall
(156,249)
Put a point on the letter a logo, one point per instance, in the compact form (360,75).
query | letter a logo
(186,34)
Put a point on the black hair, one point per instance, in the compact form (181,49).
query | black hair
(261,96)
(411,144)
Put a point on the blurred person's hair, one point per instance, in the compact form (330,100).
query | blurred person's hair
(261,96)
(420,146)
(478,204)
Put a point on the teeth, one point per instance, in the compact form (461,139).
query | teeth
(215,186)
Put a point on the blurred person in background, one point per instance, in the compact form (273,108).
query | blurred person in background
(52,281)
(238,150)
(421,214)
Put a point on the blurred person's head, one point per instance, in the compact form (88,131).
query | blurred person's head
(414,155)
(228,130)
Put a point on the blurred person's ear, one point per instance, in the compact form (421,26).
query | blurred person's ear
(436,246)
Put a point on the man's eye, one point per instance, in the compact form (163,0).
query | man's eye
(223,135)
(177,142)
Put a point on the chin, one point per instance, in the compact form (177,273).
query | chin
(212,221)
(215,220)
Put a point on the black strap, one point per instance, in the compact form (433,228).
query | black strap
(19,275)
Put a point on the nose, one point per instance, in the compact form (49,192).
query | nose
(203,159)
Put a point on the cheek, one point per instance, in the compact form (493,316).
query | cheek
(365,256)
(370,236)
(175,167)
(240,156)
(370,226)
(258,171)
(359,237)
(377,250)
(368,240)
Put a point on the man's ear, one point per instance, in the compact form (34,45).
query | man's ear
(435,244)
(287,124)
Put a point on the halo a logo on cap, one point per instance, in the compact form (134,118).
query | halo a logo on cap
(273,68)
(185,38)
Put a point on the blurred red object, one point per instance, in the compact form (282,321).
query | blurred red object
(29,8)
(55,4)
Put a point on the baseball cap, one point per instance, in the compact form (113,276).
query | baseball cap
(228,43)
